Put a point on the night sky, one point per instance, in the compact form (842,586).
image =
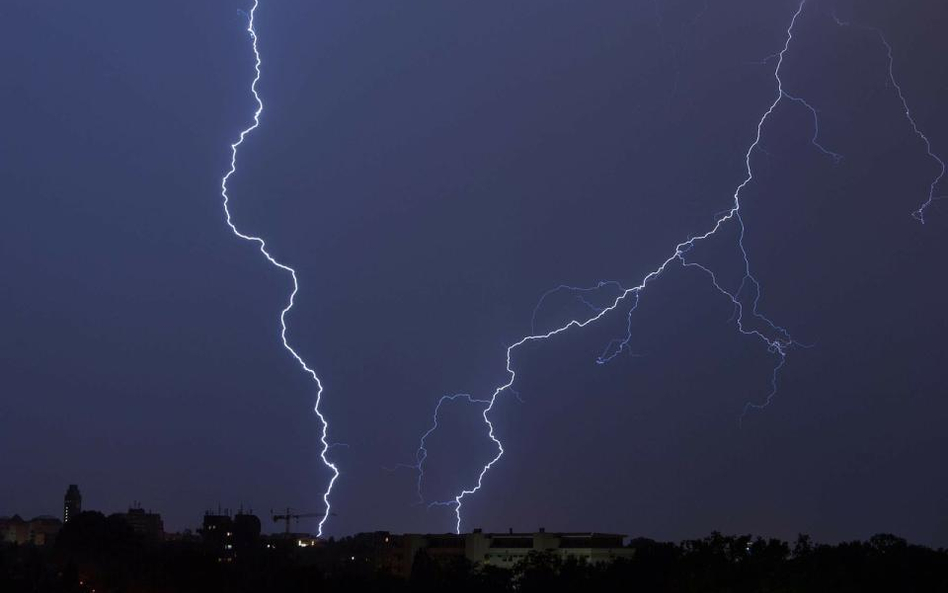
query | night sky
(430,169)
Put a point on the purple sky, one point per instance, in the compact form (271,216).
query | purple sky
(430,170)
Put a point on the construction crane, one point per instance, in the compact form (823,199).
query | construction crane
(289,516)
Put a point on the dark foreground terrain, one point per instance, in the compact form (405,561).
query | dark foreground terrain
(97,554)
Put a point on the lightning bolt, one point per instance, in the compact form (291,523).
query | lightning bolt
(745,298)
(422,453)
(919,213)
(263,249)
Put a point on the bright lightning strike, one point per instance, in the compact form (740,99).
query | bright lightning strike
(263,249)
(919,213)
(745,298)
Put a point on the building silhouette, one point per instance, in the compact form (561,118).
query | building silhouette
(44,529)
(228,536)
(148,525)
(39,531)
(72,503)
(14,530)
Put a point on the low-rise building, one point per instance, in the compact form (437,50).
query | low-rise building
(506,549)
(396,553)
(39,531)
(14,530)
(44,529)
(145,523)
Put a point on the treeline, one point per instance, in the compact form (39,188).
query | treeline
(101,554)
(715,564)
